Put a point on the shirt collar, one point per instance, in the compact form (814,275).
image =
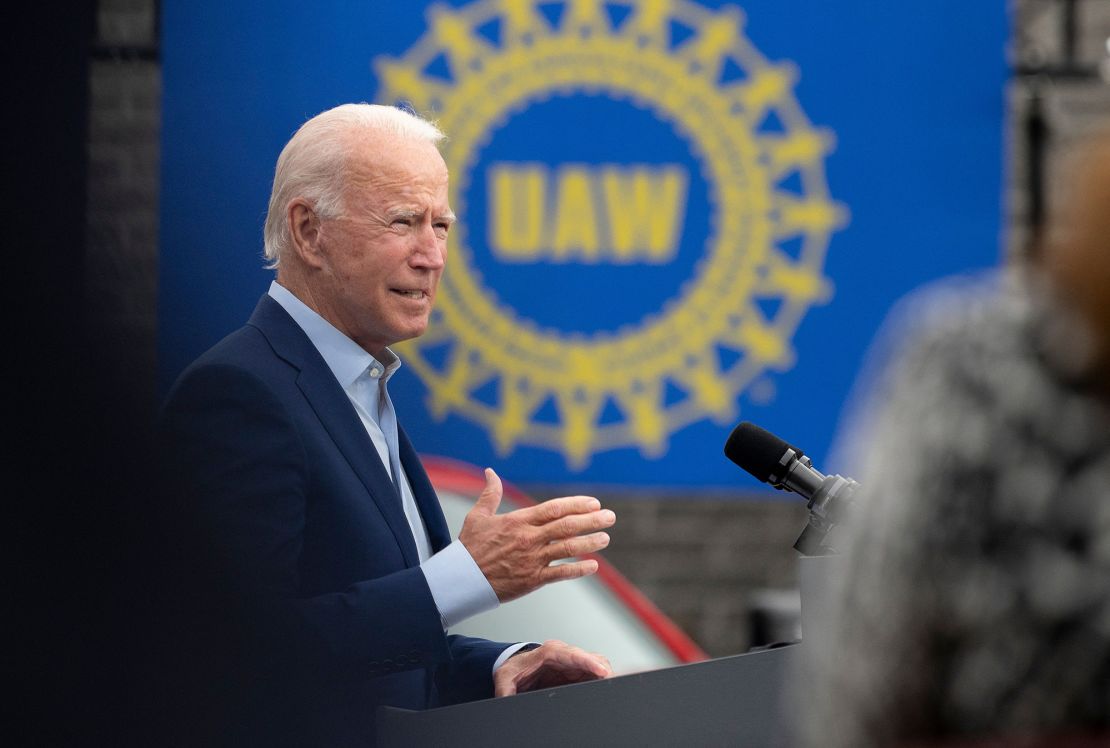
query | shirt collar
(346,358)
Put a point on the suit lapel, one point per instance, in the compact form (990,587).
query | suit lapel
(337,415)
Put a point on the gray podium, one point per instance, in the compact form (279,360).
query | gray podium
(733,701)
(729,701)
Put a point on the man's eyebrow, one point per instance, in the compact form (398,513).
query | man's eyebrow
(449,216)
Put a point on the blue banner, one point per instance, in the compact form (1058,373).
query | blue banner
(674,214)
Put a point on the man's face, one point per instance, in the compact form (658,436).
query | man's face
(383,257)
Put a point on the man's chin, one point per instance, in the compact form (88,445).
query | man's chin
(412,331)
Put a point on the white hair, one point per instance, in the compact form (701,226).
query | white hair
(314,163)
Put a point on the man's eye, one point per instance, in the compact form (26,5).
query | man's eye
(442,228)
(402,221)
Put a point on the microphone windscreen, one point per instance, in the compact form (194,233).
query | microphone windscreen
(756,450)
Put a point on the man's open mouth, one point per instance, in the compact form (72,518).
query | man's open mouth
(413,294)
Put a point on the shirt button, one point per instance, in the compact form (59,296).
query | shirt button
(375,372)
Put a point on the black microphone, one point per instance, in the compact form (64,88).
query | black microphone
(774,461)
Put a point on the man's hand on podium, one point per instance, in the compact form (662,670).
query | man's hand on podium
(552,664)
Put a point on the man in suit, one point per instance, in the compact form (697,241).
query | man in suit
(323,551)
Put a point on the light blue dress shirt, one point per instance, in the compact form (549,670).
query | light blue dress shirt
(459,588)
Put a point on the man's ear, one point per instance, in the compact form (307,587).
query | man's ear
(304,232)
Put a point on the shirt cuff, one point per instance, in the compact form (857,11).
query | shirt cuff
(459,588)
(510,651)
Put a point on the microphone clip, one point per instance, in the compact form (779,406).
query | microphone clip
(828,506)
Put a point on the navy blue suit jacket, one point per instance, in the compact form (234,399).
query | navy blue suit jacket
(309,541)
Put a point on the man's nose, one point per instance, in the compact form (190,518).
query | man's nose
(430,249)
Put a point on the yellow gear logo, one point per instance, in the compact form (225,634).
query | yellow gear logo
(743,258)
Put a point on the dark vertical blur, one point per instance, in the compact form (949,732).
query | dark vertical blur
(79,438)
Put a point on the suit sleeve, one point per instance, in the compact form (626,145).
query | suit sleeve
(243,481)
(468,675)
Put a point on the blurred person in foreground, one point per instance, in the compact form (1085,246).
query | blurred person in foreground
(974,599)
(317,555)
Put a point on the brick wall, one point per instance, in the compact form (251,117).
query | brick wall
(710,562)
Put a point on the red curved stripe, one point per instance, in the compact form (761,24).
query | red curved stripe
(462,477)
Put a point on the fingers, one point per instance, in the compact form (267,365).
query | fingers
(592,663)
(555,509)
(571,547)
(565,517)
(568,659)
(569,570)
(577,524)
(555,663)
(490,498)
(603,661)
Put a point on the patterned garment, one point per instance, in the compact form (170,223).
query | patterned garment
(976,598)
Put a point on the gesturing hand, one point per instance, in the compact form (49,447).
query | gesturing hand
(553,664)
(516,550)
